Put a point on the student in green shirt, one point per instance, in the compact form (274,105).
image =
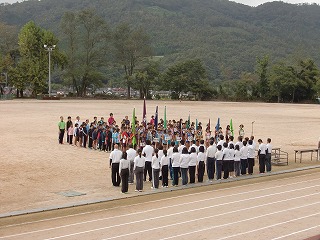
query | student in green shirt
(62,129)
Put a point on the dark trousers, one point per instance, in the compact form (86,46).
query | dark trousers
(192,174)
(250,165)
(219,169)
(85,139)
(268,162)
(262,163)
(244,165)
(176,171)
(225,165)
(210,167)
(124,179)
(148,169)
(131,173)
(184,175)
(164,173)
(90,142)
(69,139)
(200,171)
(237,168)
(155,178)
(108,145)
(115,174)
(139,178)
(61,135)
(171,170)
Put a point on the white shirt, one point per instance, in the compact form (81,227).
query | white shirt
(240,144)
(160,154)
(164,160)
(201,157)
(226,154)
(170,152)
(262,148)
(124,164)
(131,154)
(193,159)
(230,143)
(231,154)
(115,156)
(175,159)
(139,161)
(237,155)
(155,162)
(219,155)
(244,152)
(184,160)
(251,151)
(180,148)
(195,146)
(148,150)
(269,147)
(221,142)
(211,151)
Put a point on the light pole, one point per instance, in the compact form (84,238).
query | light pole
(49,49)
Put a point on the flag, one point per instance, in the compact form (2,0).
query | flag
(133,128)
(165,118)
(196,124)
(156,119)
(209,125)
(231,127)
(144,113)
(218,125)
(188,123)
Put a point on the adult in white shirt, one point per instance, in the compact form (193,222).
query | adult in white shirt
(268,155)
(192,165)
(131,154)
(124,172)
(201,163)
(211,161)
(164,162)
(155,169)
(184,165)
(139,163)
(262,156)
(176,166)
(251,155)
(244,158)
(147,152)
(115,157)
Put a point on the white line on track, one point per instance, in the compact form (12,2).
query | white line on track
(248,219)
(176,205)
(297,232)
(153,201)
(188,211)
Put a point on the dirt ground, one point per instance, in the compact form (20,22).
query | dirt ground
(34,168)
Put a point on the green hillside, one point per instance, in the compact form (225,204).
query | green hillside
(227,36)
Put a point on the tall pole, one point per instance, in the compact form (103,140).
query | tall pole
(49,49)
(252,128)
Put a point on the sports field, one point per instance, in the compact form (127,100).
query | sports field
(35,169)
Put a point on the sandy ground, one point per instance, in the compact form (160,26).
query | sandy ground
(34,168)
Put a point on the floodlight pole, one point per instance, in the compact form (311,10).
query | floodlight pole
(49,49)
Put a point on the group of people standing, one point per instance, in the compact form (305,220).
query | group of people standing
(159,151)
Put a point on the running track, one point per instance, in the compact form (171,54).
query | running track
(270,209)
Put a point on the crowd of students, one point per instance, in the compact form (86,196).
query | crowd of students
(163,151)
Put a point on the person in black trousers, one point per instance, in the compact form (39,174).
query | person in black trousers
(115,157)
(124,172)
(164,162)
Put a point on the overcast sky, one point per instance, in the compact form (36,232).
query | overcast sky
(246,2)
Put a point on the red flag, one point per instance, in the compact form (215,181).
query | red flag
(144,114)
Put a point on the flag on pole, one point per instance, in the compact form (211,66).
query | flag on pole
(196,124)
(133,128)
(208,127)
(231,127)
(144,113)
(165,118)
(156,119)
(218,125)
(188,123)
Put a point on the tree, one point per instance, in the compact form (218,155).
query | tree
(262,71)
(130,46)
(87,36)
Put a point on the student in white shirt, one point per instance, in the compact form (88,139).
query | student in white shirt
(244,158)
(237,157)
(184,165)
(176,166)
(164,162)
(155,169)
(262,156)
(231,160)
(131,154)
(251,155)
(192,165)
(219,156)
(170,152)
(201,163)
(124,172)
(211,161)
(193,145)
(181,147)
(225,161)
(268,155)
(147,152)
(115,157)
(139,163)
(221,141)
